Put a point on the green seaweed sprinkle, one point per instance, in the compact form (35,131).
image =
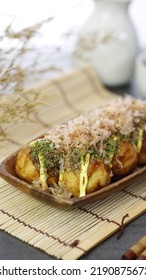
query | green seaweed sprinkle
(47,150)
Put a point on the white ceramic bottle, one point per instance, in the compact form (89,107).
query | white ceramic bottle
(108,42)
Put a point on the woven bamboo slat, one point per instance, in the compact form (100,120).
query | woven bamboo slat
(65,234)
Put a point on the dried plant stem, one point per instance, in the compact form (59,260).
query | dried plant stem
(16,103)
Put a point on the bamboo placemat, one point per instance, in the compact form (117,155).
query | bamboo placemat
(65,234)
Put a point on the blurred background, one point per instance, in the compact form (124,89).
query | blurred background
(53,28)
(67,14)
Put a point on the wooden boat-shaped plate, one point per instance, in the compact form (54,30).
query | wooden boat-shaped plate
(7,172)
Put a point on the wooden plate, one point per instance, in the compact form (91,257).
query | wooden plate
(7,172)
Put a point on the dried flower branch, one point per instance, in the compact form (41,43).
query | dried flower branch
(90,41)
(13,77)
(16,103)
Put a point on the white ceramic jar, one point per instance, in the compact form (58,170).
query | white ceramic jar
(108,42)
(140,74)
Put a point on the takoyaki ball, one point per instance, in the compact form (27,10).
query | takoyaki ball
(25,167)
(98,175)
(125,159)
(71,181)
(142,153)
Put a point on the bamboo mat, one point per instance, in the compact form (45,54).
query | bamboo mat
(65,234)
